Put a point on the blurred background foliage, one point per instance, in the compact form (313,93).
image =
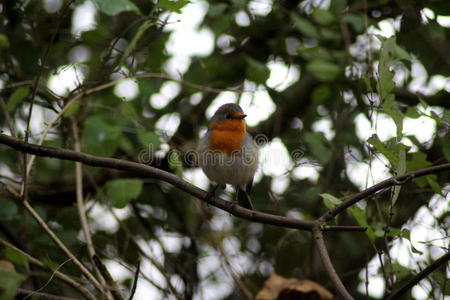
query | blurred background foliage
(331,86)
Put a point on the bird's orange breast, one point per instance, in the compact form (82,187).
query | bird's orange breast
(227,136)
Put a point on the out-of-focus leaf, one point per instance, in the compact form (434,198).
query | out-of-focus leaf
(148,138)
(121,191)
(280,288)
(304,26)
(73,108)
(337,6)
(390,107)
(432,182)
(318,145)
(386,76)
(8,209)
(324,70)
(416,161)
(9,283)
(216,9)
(100,137)
(321,93)
(412,112)
(330,201)
(360,217)
(114,7)
(257,71)
(446,146)
(356,21)
(17,97)
(322,16)
(142,29)
(407,235)
(16,257)
(172,5)
(4,42)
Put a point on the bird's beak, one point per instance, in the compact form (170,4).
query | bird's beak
(239,116)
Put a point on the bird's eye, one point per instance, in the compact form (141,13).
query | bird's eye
(228,116)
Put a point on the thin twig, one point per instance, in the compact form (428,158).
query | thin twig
(63,277)
(328,265)
(32,293)
(135,280)
(115,291)
(21,291)
(56,240)
(441,261)
(80,201)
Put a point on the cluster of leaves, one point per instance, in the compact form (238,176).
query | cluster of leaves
(346,72)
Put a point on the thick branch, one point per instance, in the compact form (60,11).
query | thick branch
(176,181)
(421,275)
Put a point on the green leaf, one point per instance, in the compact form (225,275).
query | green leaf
(360,217)
(338,5)
(446,146)
(148,138)
(406,234)
(8,209)
(432,182)
(412,112)
(324,70)
(217,9)
(380,147)
(175,5)
(121,191)
(322,16)
(321,93)
(318,145)
(100,137)
(304,26)
(4,42)
(17,97)
(16,257)
(390,107)
(416,161)
(132,45)
(257,71)
(330,201)
(356,21)
(114,7)
(9,283)
(386,76)
(73,108)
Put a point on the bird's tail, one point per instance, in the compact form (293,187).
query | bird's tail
(243,199)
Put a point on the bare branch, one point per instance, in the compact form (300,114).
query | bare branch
(135,281)
(323,252)
(56,240)
(67,279)
(421,275)
(115,291)
(113,163)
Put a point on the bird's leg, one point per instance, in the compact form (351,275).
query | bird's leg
(212,192)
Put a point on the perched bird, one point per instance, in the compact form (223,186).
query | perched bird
(228,154)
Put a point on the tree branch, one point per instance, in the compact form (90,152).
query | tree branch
(396,180)
(421,275)
(328,265)
(63,277)
(176,181)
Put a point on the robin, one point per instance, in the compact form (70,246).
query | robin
(228,154)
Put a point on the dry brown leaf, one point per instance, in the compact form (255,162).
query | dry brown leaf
(7,265)
(280,288)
